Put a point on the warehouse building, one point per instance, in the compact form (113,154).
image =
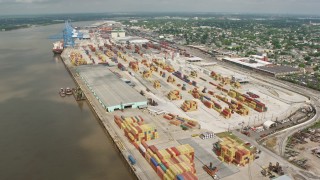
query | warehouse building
(269,124)
(275,70)
(263,67)
(132,40)
(249,63)
(112,93)
(194,59)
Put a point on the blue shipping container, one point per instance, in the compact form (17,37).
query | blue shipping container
(207,98)
(154,162)
(182,120)
(131,159)
(180,177)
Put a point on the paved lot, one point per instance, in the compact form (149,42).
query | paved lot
(206,157)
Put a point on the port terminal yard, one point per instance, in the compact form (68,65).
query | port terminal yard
(206,95)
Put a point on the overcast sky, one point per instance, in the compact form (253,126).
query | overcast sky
(83,6)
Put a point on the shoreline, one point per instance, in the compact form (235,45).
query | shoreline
(107,128)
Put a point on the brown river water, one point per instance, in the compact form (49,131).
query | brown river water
(42,135)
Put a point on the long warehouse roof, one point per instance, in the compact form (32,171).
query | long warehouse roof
(278,69)
(110,89)
(246,62)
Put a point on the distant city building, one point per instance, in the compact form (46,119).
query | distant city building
(134,21)
(314,24)
(262,58)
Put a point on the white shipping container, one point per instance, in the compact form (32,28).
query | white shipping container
(142,148)
(207,72)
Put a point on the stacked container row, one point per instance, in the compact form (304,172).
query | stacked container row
(172,163)
(135,129)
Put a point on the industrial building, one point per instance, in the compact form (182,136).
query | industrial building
(250,63)
(263,67)
(240,78)
(194,59)
(132,40)
(269,124)
(275,70)
(112,93)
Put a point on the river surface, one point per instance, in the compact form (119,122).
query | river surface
(42,135)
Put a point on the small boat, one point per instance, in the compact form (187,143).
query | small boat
(62,92)
(68,91)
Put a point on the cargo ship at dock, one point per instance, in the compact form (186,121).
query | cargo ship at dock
(57,47)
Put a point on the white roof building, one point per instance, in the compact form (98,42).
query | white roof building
(269,124)
(194,59)
(246,62)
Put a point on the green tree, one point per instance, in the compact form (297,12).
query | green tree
(307,58)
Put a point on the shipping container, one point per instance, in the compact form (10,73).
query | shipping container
(131,159)
(153,161)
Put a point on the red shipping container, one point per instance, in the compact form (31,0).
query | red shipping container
(167,117)
(166,165)
(185,176)
(139,129)
(160,172)
(135,145)
(153,149)
(144,144)
(159,155)
(126,131)
(118,123)
(175,150)
(141,118)
(172,115)
(133,119)
(191,123)
(164,161)
(117,117)
(180,159)
(182,168)
(174,160)
(170,152)
(191,176)
(132,132)
(153,167)
(192,156)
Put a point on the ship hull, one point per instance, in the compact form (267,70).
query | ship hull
(57,51)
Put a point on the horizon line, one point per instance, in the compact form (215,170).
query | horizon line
(168,12)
